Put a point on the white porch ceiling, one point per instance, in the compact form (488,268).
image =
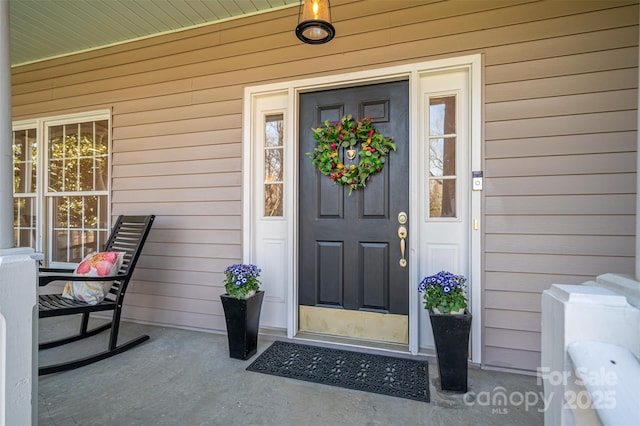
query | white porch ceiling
(42,29)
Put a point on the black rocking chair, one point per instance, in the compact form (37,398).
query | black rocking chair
(128,235)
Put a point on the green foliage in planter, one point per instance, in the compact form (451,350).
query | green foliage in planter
(241,279)
(444,291)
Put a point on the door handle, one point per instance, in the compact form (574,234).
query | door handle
(402,234)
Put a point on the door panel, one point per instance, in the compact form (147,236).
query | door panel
(349,250)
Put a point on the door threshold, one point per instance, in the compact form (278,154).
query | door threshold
(340,342)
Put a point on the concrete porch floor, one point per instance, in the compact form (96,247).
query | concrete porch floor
(182,377)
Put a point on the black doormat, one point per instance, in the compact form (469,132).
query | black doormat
(400,377)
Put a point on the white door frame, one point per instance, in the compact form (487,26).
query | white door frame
(255,228)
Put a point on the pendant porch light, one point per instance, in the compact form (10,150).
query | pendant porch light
(314,22)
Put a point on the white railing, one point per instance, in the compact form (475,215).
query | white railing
(590,350)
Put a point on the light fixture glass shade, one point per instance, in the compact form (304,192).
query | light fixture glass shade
(314,22)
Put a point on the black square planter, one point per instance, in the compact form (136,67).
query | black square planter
(451,336)
(243,320)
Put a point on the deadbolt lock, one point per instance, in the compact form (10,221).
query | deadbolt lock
(402,218)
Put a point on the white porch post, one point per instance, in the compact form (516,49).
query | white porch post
(6,155)
(18,276)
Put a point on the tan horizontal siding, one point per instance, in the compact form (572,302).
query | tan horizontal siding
(561,125)
(558,45)
(231,251)
(180,304)
(174,318)
(561,144)
(180,99)
(513,339)
(560,94)
(563,105)
(563,85)
(213,137)
(560,154)
(513,359)
(198,236)
(179,154)
(176,113)
(204,291)
(557,264)
(601,204)
(180,277)
(510,300)
(618,245)
(178,167)
(196,180)
(185,263)
(583,63)
(193,125)
(620,162)
(561,225)
(615,183)
(178,195)
(528,283)
(224,208)
(518,320)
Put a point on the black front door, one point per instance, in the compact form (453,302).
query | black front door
(349,250)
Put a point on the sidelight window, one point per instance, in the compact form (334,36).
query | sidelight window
(442,157)
(273,165)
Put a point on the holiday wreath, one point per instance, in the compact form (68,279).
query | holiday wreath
(347,134)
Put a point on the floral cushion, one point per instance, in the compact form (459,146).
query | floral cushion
(104,264)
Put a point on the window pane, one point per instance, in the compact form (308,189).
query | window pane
(87,174)
(80,224)
(24,165)
(56,162)
(273,131)
(273,200)
(273,165)
(19,180)
(442,157)
(34,163)
(90,242)
(18,162)
(442,116)
(59,245)
(93,152)
(442,198)
(78,157)
(24,221)
(101,173)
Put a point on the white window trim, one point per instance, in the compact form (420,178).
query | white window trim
(41,124)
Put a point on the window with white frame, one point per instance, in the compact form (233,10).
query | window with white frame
(25,154)
(61,174)
(273,165)
(442,157)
